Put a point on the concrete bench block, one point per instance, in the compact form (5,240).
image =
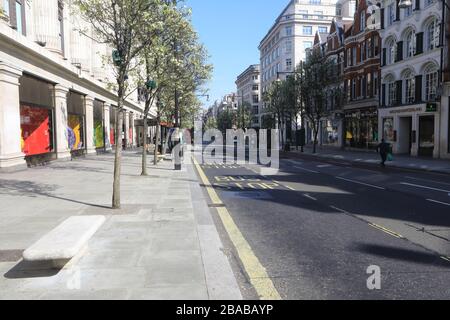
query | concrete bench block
(66,241)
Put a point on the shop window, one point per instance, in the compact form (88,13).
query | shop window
(36,116)
(388,130)
(76,121)
(99,139)
(112,125)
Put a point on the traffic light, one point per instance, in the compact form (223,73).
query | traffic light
(117,58)
(151,84)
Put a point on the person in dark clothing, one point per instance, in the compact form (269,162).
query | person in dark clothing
(383,148)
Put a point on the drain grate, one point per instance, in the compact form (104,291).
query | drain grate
(10,255)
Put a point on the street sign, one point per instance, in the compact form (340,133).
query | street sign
(432,107)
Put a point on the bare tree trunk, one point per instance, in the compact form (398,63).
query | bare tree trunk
(118,158)
(155,160)
(316,134)
(144,148)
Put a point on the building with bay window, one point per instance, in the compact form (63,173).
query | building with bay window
(54,100)
(361,82)
(412,117)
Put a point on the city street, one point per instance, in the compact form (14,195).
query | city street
(316,226)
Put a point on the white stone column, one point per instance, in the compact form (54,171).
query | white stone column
(90,125)
(61,121)
(126,120)
(133,137)
(107,129)
(10,134)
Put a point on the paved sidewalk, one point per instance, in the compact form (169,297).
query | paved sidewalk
(162,244)
(372,158)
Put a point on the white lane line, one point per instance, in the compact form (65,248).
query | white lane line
(307,170)
(424,187)
(309,197)
(361,183)
(427,180)
(439,202)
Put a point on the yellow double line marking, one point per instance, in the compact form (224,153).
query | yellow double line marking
(256,272)
(385,230)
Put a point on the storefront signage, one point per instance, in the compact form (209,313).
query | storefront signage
(407,110)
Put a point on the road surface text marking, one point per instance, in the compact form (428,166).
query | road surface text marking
(256,272)
(386,230)
(361,183)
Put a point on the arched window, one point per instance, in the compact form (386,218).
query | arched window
(410,87)
(431,82)
(391,51)
(391,87)
(432,34)
(410,43)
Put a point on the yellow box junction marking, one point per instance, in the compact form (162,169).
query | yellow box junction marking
(385,230)
(256,272)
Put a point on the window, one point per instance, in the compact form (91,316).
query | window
(375,84)
(6,7)
(319,14)
(349,58)
(431,83)
(392,92)
(362,21)
(288,64)
(315,1)
(354,56)
(338,10)
(323,30)
(432,35)
(307,44)
(255,99)
(391,13)
(307,30)
(353,89)
(410,87)
(304,13)
(352,8)
(19,15)
(392,51)
(288,46)
(255,87)
(408,11)
(410,44)
(289,31)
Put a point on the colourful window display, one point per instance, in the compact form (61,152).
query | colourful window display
(112,125)
(99,134)
(75,132)
(36,127)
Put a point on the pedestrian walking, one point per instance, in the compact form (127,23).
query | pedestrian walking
(383,148)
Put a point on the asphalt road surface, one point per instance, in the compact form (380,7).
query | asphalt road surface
(317,226)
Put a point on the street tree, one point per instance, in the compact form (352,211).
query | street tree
(317,77)
(244,116)
(275,101)
(128,27)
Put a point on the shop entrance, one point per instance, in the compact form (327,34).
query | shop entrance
(426,136)
(404,138)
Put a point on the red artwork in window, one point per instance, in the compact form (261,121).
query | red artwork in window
(36,130)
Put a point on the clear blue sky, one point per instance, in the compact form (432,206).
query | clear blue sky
(231,30)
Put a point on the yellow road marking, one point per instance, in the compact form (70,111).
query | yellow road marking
(385,230)
(256,272)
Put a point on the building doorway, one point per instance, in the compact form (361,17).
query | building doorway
(426,136)
(405,135)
